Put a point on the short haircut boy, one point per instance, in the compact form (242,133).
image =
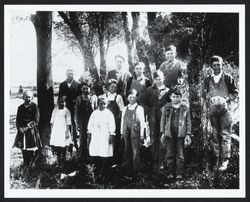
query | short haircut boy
(216,58)
(170,48)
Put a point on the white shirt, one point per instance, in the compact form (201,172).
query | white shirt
(119,100)
(217,77)
(69,84)
(140,115)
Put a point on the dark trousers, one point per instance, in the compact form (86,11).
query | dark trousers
(221,141)
(28,156)
(156,150)
(102,165)
(132,152)
(73,128)
(84,152)
(175,155)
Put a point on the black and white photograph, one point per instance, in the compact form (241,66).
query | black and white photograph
(124,101)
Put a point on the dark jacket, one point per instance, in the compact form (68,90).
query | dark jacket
(230,83)
(70,93)
(184,120)
(148,83)
(152,101)
(26,115)
(122,81)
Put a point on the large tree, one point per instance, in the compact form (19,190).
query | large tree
(43,24)
(90,32)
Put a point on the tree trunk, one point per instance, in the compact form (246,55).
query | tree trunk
(140,44)
(89,63)
(156,51)
(43,24)
(101,28)
(128,39)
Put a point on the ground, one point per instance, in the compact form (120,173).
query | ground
(198,174)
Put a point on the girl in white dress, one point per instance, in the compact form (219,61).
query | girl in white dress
(60,130)
(101,131)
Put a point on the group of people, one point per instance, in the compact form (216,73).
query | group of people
(112,126)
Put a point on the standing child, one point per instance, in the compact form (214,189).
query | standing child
(115,105)
(175,130)
(60,130)
(156,97)
(101,128)
(132,130)
(85,105)
(27,139)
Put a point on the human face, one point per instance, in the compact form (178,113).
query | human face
(85,90)
(139,70)
(170,55)
(217,67)
(61,104)
(175,98)
(70,76)
(112,88)
(102,105)
(132,99)
(27,98)
(158,80)
(119,63)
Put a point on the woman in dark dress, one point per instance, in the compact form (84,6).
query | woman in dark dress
(27,139)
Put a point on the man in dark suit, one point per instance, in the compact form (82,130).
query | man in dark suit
(70,89)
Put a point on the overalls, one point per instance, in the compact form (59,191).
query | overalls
(132,142)
(220,120)
(114,108)
(85,110)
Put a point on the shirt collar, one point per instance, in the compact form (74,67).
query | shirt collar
(162,87)
(132,106)
(217,76)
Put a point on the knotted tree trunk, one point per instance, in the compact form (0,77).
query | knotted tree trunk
(43,24)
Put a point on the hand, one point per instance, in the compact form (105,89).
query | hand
(111,139)
(122,137)
(67,134)
(25,129)
(187,141)
(21,130)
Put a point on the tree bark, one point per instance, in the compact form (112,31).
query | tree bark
(86,49)
(156,52)
(140,44)
(43,24)
(128,39)
(100,22)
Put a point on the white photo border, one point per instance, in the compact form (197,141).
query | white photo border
(128,193)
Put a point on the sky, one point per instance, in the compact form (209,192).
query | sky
(23,53)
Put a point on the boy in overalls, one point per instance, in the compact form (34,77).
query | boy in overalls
(132,130)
